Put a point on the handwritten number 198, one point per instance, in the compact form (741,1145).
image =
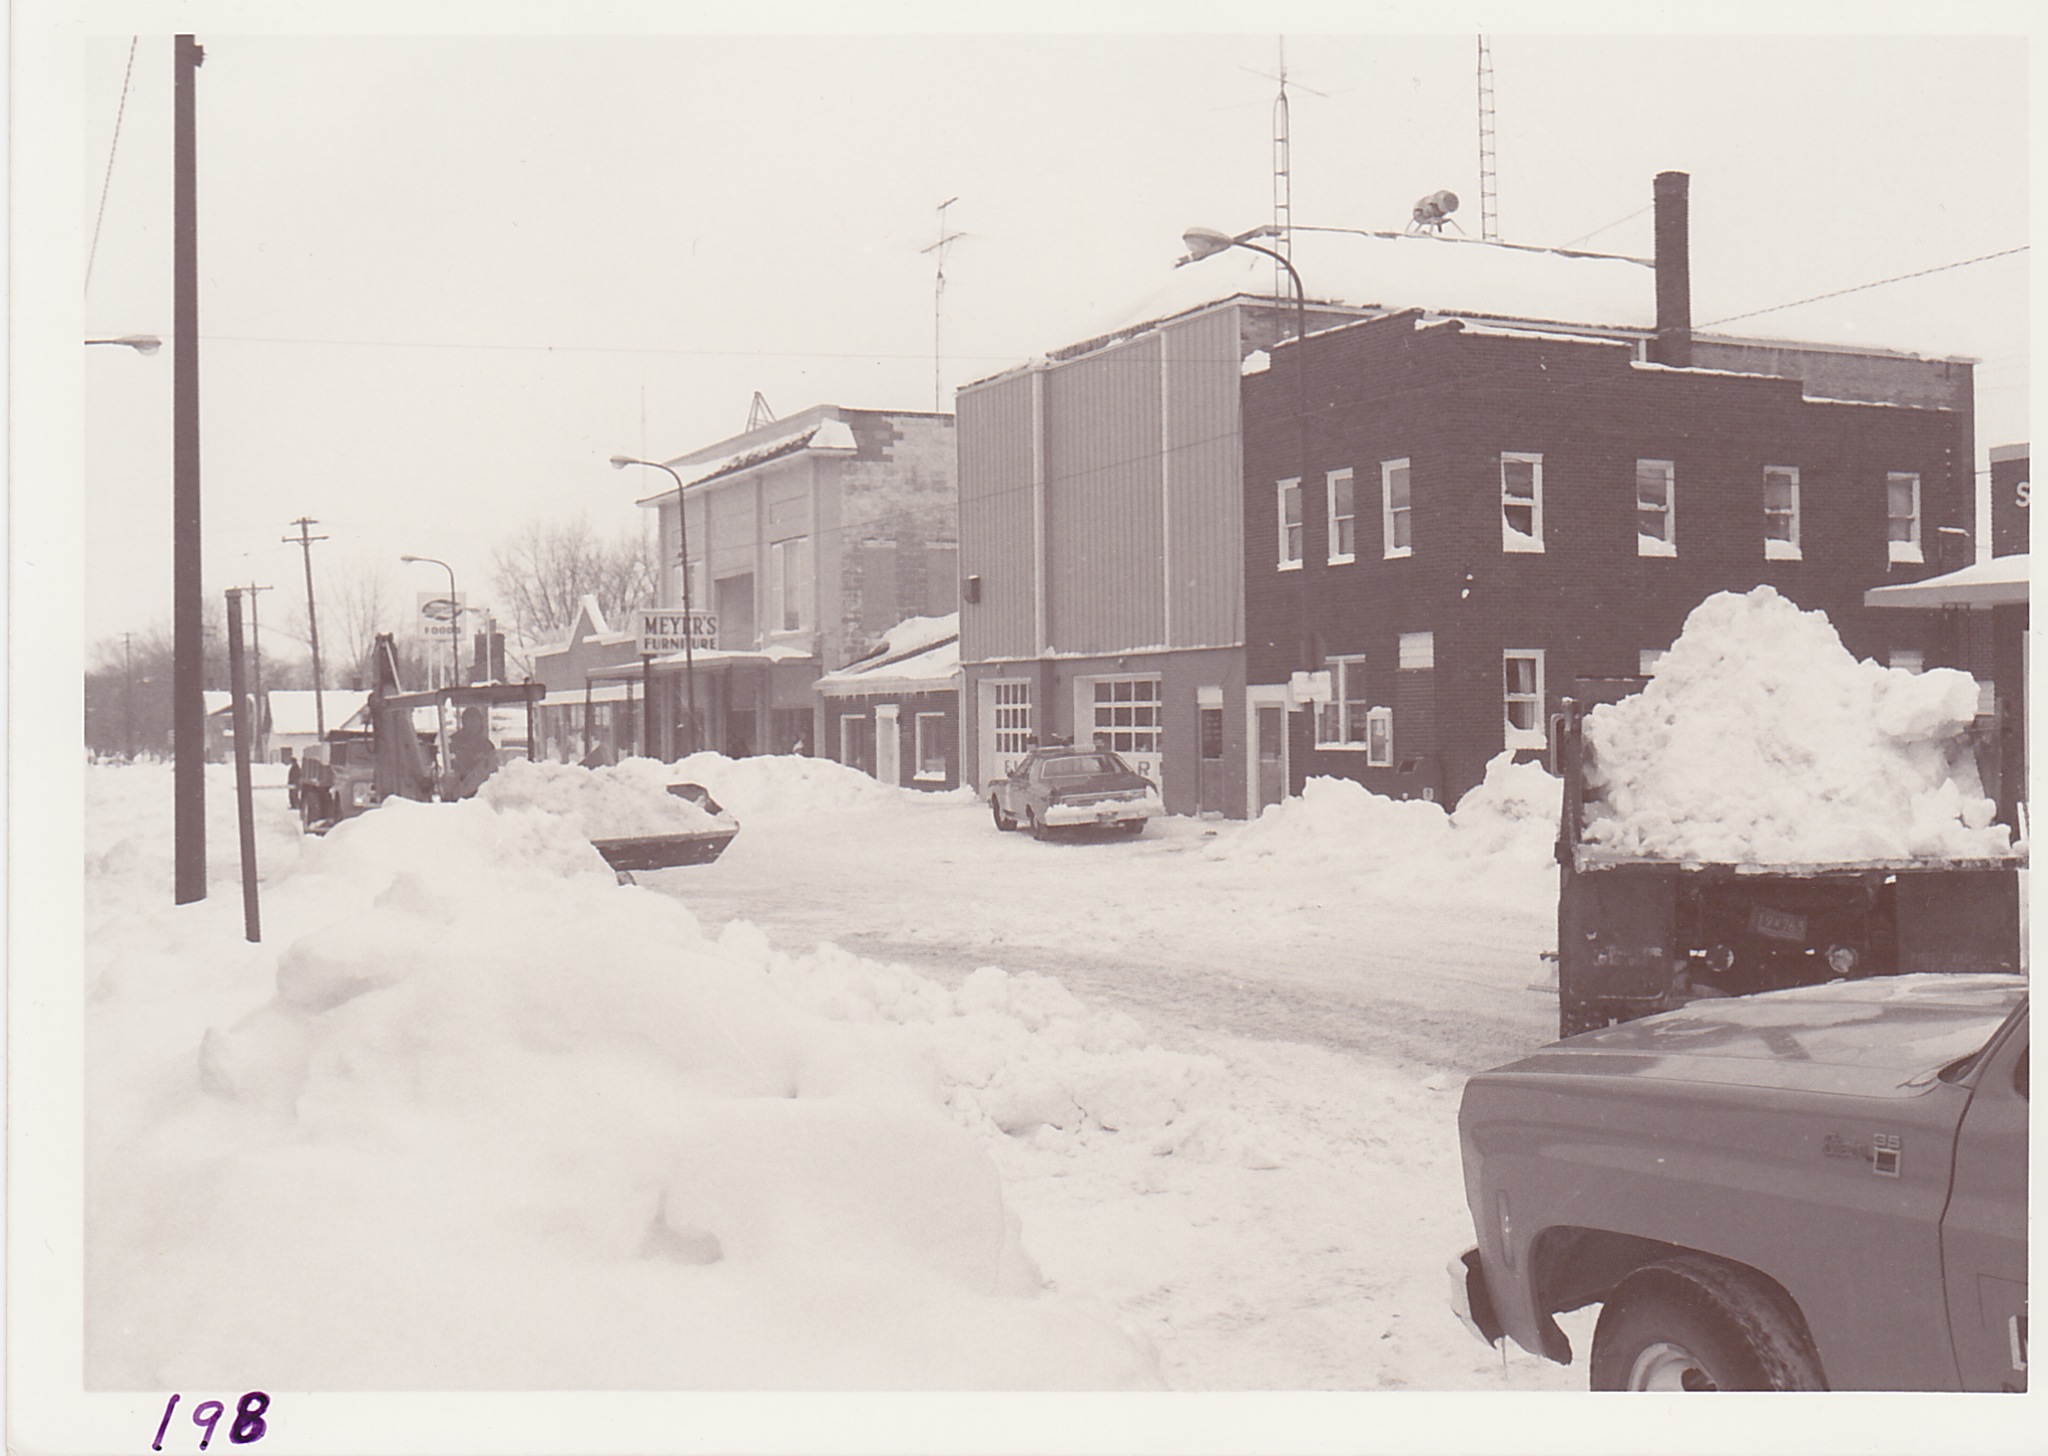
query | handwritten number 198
(247,1425)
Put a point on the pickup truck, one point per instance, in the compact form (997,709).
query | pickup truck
(1819,1188)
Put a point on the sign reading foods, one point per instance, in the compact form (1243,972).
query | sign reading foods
(662,630)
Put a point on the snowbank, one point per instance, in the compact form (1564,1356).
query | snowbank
(772,787)
(1495,843)
(624,801)
(1761,740)
(477,1117)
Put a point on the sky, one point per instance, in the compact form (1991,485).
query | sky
(444,277)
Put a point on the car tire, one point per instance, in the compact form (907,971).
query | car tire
(1132,829)
(1003,821)
(1031,822)
(1691,1323)
(1575,1016)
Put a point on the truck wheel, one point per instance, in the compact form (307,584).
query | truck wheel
(1003,821)
(1692,1323)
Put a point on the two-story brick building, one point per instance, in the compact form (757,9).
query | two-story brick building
(1473,517)
(1170,532)
(808,539)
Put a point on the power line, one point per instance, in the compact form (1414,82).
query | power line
(112,147)
(1839,292)
(1608,227)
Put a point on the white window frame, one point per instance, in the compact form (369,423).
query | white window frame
(1392,516)
(1667,543)
(928,729)
(1649,661)
(1782,548)
(1511,538)
(1335,556)
(1907,550)
(1013,715)
(1144,728)
(1291,536)
(844,719)
(1516,737)
(789,583)
(1417,652)
(1906,659)
(1334,726)
(1379,753)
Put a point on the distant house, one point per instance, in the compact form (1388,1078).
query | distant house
(294,721)
(808,539)
(895,714)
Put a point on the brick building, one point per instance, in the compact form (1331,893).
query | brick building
(1469,518)
(809,538)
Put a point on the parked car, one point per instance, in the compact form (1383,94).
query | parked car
(1058,786)
(1821,1188)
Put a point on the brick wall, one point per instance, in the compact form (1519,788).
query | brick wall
(1451,402)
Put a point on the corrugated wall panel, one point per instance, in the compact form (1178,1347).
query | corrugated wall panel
(1103,512)
(1205,538)
(996,540)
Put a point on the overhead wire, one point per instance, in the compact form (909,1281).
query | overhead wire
(1860,287)
(113,147)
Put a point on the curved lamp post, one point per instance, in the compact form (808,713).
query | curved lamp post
(620,462)
(454,619)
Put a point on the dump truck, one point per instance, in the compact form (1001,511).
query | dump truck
(1639,935)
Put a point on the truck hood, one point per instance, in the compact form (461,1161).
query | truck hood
(1884,1032)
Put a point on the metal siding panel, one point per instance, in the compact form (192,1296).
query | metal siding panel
(1207,543)
(1103,509)
(994,440)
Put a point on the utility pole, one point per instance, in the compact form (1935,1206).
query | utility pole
(256,652)
(188,646)
(305,543)
(128,692)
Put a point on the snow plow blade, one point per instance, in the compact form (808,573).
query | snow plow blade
(667,851)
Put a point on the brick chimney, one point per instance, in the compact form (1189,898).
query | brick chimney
(1673,344)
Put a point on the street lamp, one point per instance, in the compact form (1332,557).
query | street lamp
(620,462)
(140,343)
(454,616)
(1205,242)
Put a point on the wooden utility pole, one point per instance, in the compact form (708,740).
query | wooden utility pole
(256,655)
(188,643)
(245,729)
(305,543)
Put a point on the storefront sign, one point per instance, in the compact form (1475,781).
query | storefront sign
(662,631)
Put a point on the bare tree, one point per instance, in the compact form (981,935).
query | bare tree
(544,570)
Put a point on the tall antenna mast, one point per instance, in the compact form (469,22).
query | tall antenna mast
(1283,179)
(1489,203)
(938,296)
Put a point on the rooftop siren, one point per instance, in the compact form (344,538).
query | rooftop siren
(1433,211)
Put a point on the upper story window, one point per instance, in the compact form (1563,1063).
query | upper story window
(1656,503)
(1341,724)
(1343,517)
(1521,501)
(1290,524)
(789,584)
(1418,652)
(1396,509)
(1781,512)
(1902,516)
(1522,698)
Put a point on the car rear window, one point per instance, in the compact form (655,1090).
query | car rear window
(1080,765)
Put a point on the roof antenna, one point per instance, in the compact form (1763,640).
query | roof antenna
(758,413)
(938,294)
(1489,202)
(1283,171)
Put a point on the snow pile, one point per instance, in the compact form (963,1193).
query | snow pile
(627,800)
(1496,842)
(774,787)
(1761,740)
(1018,1055)
(476,1117)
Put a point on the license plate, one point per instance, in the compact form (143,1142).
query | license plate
(1777,924)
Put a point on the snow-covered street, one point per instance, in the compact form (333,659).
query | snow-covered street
(1215,1070)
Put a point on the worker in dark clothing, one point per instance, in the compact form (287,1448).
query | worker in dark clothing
(291,779)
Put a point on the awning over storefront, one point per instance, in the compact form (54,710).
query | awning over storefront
(709,660)
(2000,582)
